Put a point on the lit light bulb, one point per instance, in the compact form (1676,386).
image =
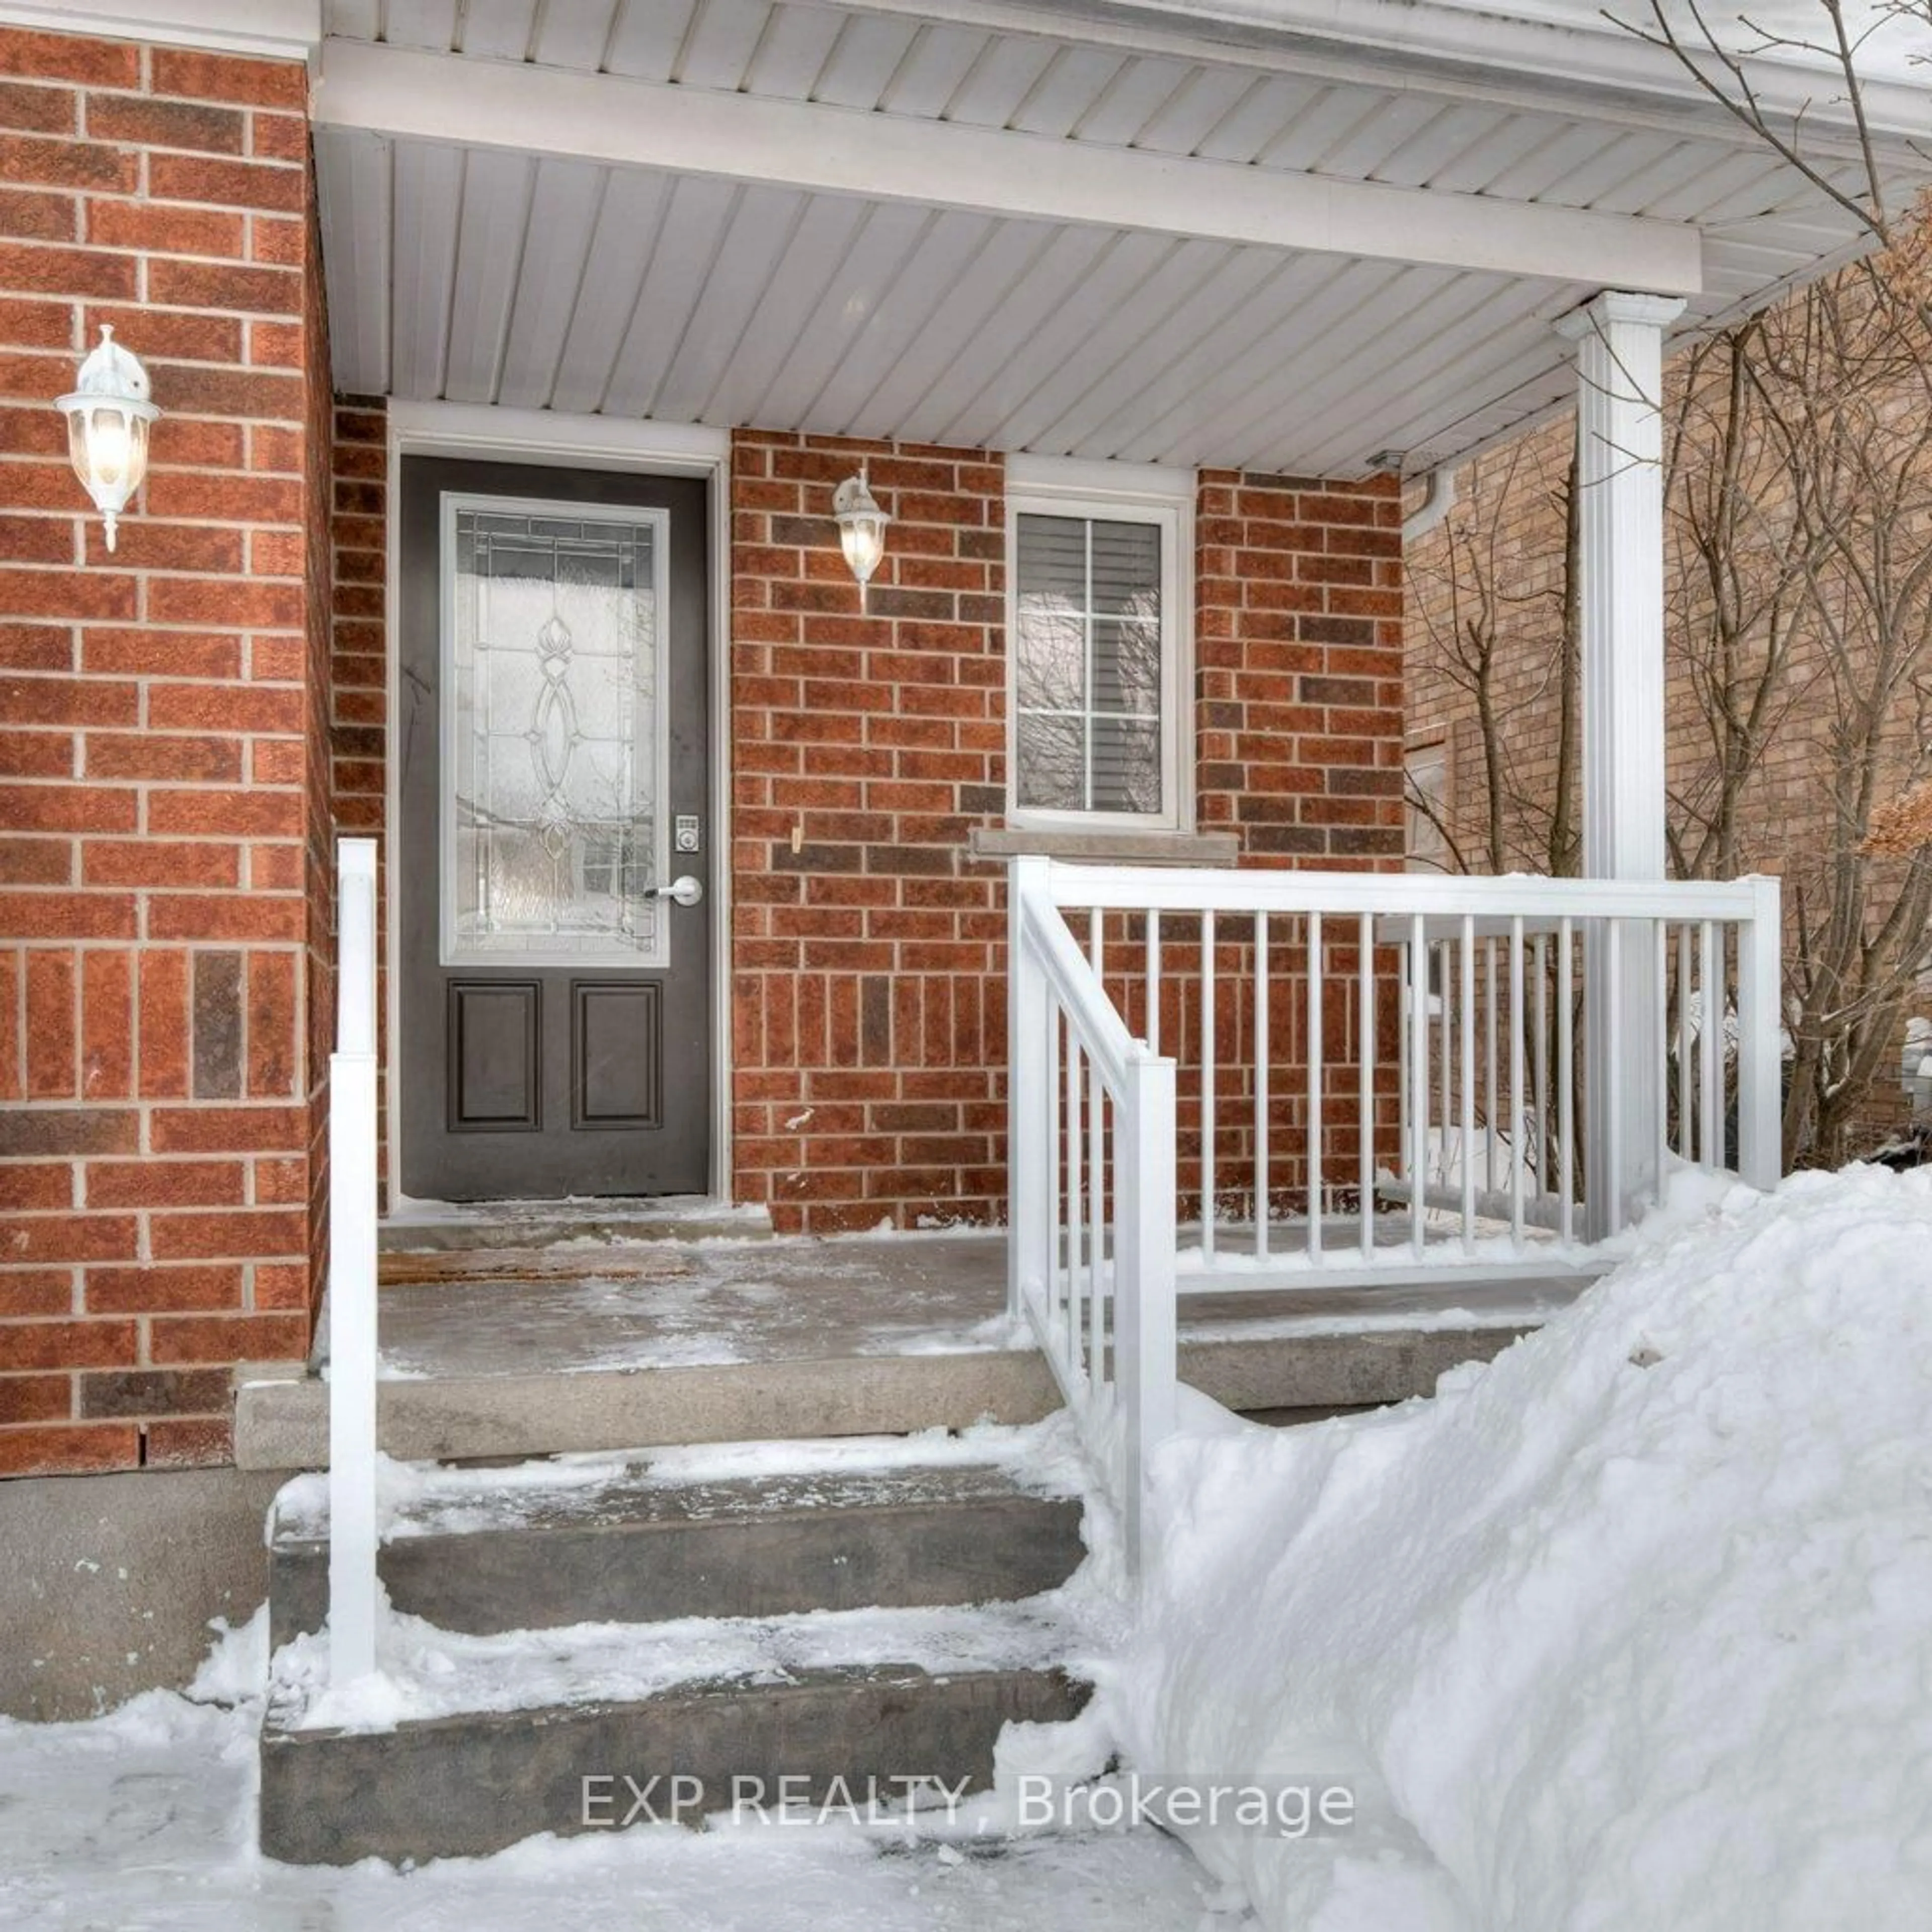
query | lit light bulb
(108,417)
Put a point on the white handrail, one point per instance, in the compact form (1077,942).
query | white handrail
(1124,1395)
(1432,896)
(353,1598)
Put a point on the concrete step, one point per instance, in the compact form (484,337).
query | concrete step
(469,1783)
(483,1551)
(281,1422)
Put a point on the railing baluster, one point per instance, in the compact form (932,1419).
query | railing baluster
(1439,973)
(1540,1105)
(1073,1217)
(1489,1109)
(1365,1076)
(1566,1080)
(1516,1082)
(1711,1046)
(1661,1152)
(1418,1098)
(1097,1178)
(1261,1086)
(1466,1000)
(1610,1065)
(1405,1138)
(1154,981)
(1208,1087)
(1687,1149)
(1055,1230)
(1315,1088)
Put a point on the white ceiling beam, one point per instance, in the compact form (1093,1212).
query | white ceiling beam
(798,144)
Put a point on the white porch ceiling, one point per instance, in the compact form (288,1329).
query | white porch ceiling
(475,269)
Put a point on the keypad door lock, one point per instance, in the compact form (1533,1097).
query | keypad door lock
(685,836)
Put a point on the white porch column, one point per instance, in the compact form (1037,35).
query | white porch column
(1619,342)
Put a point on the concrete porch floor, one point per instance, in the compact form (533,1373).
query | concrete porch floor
(587,1343)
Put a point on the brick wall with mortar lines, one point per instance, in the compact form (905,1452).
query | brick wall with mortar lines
(159,812)
(1298,654)
(868,966)
(868,1000)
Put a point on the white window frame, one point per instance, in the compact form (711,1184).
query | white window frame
(1119,493)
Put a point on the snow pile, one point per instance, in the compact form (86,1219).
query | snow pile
(1632,1626)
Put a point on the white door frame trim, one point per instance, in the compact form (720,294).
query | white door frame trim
(538,437)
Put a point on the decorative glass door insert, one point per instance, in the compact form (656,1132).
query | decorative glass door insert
(555,741)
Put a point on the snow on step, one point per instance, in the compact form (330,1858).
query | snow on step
(747,1531)
(429,1673)
(892,1656)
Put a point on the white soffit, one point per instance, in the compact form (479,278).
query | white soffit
(864,221)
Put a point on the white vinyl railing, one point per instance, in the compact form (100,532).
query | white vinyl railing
(352,1594)
(1239,1080)
(1093,1185)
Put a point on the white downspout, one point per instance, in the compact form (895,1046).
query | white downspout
(1436,504)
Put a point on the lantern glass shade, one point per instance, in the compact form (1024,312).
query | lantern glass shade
(862,527)
(108,445)
(108,418)
(864,540)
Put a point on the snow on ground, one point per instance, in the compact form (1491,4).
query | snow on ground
(1631,1628)
(140,1823)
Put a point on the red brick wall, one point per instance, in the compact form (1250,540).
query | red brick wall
(868,1006)
(869,965)
(1298,650)
(1298,655)
(161,816)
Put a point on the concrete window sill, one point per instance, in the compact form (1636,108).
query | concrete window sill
(1107,848)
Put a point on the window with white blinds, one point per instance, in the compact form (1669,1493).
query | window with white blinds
(1094,651)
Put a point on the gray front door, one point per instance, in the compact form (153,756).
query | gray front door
(553,740)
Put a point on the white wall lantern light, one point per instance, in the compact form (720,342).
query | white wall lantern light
(108,417)
(862,528)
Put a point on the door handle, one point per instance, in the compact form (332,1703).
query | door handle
(685,892)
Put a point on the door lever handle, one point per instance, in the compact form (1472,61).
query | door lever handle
(685,892)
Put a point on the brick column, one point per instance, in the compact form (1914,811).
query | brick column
(164,801)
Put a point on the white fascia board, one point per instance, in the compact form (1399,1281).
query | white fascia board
(444,98)
(1532,59)
(266,29)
